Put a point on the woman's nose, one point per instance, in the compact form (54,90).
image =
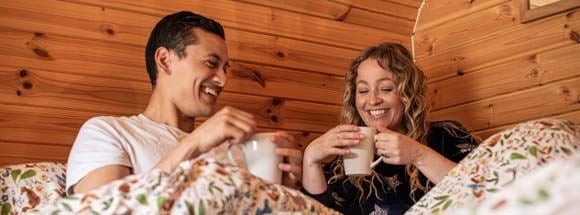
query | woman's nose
(374,98)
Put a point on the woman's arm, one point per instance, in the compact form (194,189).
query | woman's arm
(432,164)
(399,149)
(331,143)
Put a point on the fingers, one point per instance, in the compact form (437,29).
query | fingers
(344,143)
(289,152)
(297,170)
(236,134)
(283,140)
(345,128)
(351,135)
(338,151)
(235,111)
(238,125)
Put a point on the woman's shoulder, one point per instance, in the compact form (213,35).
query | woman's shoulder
(449,128)
(451,139)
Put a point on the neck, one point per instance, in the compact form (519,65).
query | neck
(162,110)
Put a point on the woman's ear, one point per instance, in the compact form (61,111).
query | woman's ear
(162,60)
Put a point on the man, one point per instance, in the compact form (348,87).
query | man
(187,62)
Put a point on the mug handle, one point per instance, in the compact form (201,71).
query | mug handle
(377,162)
(230,156)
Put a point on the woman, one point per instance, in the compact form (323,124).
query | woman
(387,91)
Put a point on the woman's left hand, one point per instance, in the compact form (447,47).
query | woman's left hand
(291,166)
(396,148)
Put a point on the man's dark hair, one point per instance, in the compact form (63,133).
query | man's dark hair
(175,32)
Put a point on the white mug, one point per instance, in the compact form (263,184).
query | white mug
(260,158)
(360,160)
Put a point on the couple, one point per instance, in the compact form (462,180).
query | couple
(187,62)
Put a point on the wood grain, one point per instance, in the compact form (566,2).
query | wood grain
(385,7)
(344,13)
(516,42)
(121,97)
(526,72)
(547,100)
(465,30)
(483,134)
(242,46)
(437,12)
(76,55)
(264,20)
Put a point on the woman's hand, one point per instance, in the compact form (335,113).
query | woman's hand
(291,166)
(398,148)
(334,142)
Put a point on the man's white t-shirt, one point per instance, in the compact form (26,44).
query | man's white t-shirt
(136,142)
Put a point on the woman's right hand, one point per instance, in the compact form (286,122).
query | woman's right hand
(334,142)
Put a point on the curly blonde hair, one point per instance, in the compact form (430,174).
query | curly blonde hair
(412,88)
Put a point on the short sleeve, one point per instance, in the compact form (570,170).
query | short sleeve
(451,139)
(97,145)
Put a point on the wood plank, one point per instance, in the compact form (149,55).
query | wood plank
(40,152)
(260,19)
(9,160)
(520,41)
(380,21)
(283,83)
(243,46)
(293,54)
(53,89)
(437,12)
(65,53)
(547,100)
(483,134)
(411,3)
(461,31)
(526,72)
(385,7)
(342,13)
(324,9)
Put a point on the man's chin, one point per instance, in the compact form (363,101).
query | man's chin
(200,112)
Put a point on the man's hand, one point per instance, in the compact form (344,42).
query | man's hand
(228,124)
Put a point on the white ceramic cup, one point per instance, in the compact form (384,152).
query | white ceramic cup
(360,160)
(260,158)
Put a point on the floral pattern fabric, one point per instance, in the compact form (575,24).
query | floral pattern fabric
(199,186)
(551,189)
(26,186)
(498,162)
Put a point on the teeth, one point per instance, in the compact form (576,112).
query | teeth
(210,91)
(377,112)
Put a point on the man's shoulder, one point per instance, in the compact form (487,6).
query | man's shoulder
(107,122)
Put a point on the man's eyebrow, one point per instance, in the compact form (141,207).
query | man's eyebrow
(215,56)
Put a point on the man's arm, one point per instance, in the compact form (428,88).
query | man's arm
(228,124)
(101,176)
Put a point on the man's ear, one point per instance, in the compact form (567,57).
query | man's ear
(162,60)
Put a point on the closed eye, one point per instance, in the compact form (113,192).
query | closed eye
(211,64)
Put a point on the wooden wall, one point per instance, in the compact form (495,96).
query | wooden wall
(489,71)
(64,61)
